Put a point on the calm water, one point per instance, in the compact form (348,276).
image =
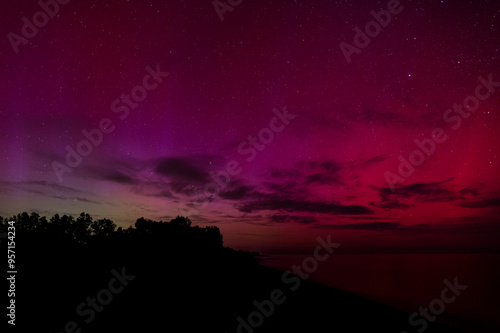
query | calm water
(408,281)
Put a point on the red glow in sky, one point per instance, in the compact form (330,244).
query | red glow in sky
(167,95)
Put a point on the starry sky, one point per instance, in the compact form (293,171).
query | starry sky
(261,97)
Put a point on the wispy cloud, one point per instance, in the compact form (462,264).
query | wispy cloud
(271,202)
(484,203)
(440,191)
(372,226)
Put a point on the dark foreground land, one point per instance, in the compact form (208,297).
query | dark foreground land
(171,277)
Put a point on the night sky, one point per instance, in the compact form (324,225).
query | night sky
(304,142)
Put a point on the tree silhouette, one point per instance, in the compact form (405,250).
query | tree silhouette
(102,227)
(81,227)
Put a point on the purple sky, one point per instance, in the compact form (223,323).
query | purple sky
(322,170)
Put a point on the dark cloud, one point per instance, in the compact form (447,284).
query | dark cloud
(181,169)
(304,169)
(384,118)
(166,177)
(488,226)
(283,187)
(485,203)
(424,192)
(238,193)
(392,204)
(372,161)
(374,226)
(271,202)
(42,186)
(302,175)
(290,189)
(322,178)
(110,172)
(364,218)
(469,190)
(293,218)
(88,201)
(117,177)
(277,174)
(48,190)
(330,166)
(153,189)
(432,192)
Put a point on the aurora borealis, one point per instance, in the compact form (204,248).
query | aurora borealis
(220,111)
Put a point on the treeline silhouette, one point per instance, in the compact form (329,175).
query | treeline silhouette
(63,260)
(184,280)
(177,234)
(84,229)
